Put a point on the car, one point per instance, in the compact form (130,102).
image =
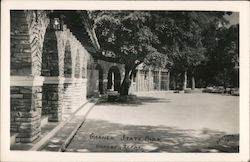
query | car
(214,89)
(235,92)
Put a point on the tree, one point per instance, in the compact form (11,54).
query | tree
(159,38)
(125,37)
(182,37)
(222,65)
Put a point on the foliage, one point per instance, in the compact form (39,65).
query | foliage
(179,41)
(222,65)
(125,35)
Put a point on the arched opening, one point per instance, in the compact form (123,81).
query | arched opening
(51,96)
(114,79)
(100,78)
(77,65)
(50,61)
(67,61)
(84,72)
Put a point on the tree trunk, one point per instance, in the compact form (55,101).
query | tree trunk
(193,80)
(185,80)
(126,81)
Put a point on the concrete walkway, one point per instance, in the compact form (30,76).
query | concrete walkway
(162,122)
(60,140)
(55,136)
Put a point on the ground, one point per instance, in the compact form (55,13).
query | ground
(162,122)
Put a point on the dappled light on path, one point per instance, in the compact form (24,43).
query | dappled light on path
(103,136)
(162,123)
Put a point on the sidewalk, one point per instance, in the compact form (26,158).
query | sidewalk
(62,138)
(55,137)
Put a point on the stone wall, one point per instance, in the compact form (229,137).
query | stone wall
(27,33)
(26,112)
(52,101)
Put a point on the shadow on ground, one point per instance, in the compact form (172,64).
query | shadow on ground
(132,100)
(103,136)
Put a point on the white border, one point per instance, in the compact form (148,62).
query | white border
(241,6)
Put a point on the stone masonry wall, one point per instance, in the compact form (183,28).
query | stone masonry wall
(53,101)
(25,112)
(27,32)
(74,95)
(20,44)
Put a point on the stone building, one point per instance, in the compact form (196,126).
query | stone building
(53,71)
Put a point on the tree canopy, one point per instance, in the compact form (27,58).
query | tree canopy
(222,64)
(125,36)
(176,40)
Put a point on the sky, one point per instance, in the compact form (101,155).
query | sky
(233,18)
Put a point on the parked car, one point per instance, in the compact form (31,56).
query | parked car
(221,89)
(208,90)
(235,91)
(214,89)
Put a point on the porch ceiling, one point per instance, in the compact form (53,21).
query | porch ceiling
(79,25)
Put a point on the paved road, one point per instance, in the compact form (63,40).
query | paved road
(163,122)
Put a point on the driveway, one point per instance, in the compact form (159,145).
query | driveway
(162,122)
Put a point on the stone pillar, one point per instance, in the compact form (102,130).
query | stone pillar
(53,98)
(26,104)
(105,85)
(105,80)
(75,92)
(67,97)
(79,95)
(20,60)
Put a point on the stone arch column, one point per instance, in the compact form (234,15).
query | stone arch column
(84,65)
(68,80)
(90,76)
(20,60)
(27,32)
(77,65)
(100,78)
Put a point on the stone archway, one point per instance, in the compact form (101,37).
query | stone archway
(50,61)
(114,79)
(100,78)
(52,88)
